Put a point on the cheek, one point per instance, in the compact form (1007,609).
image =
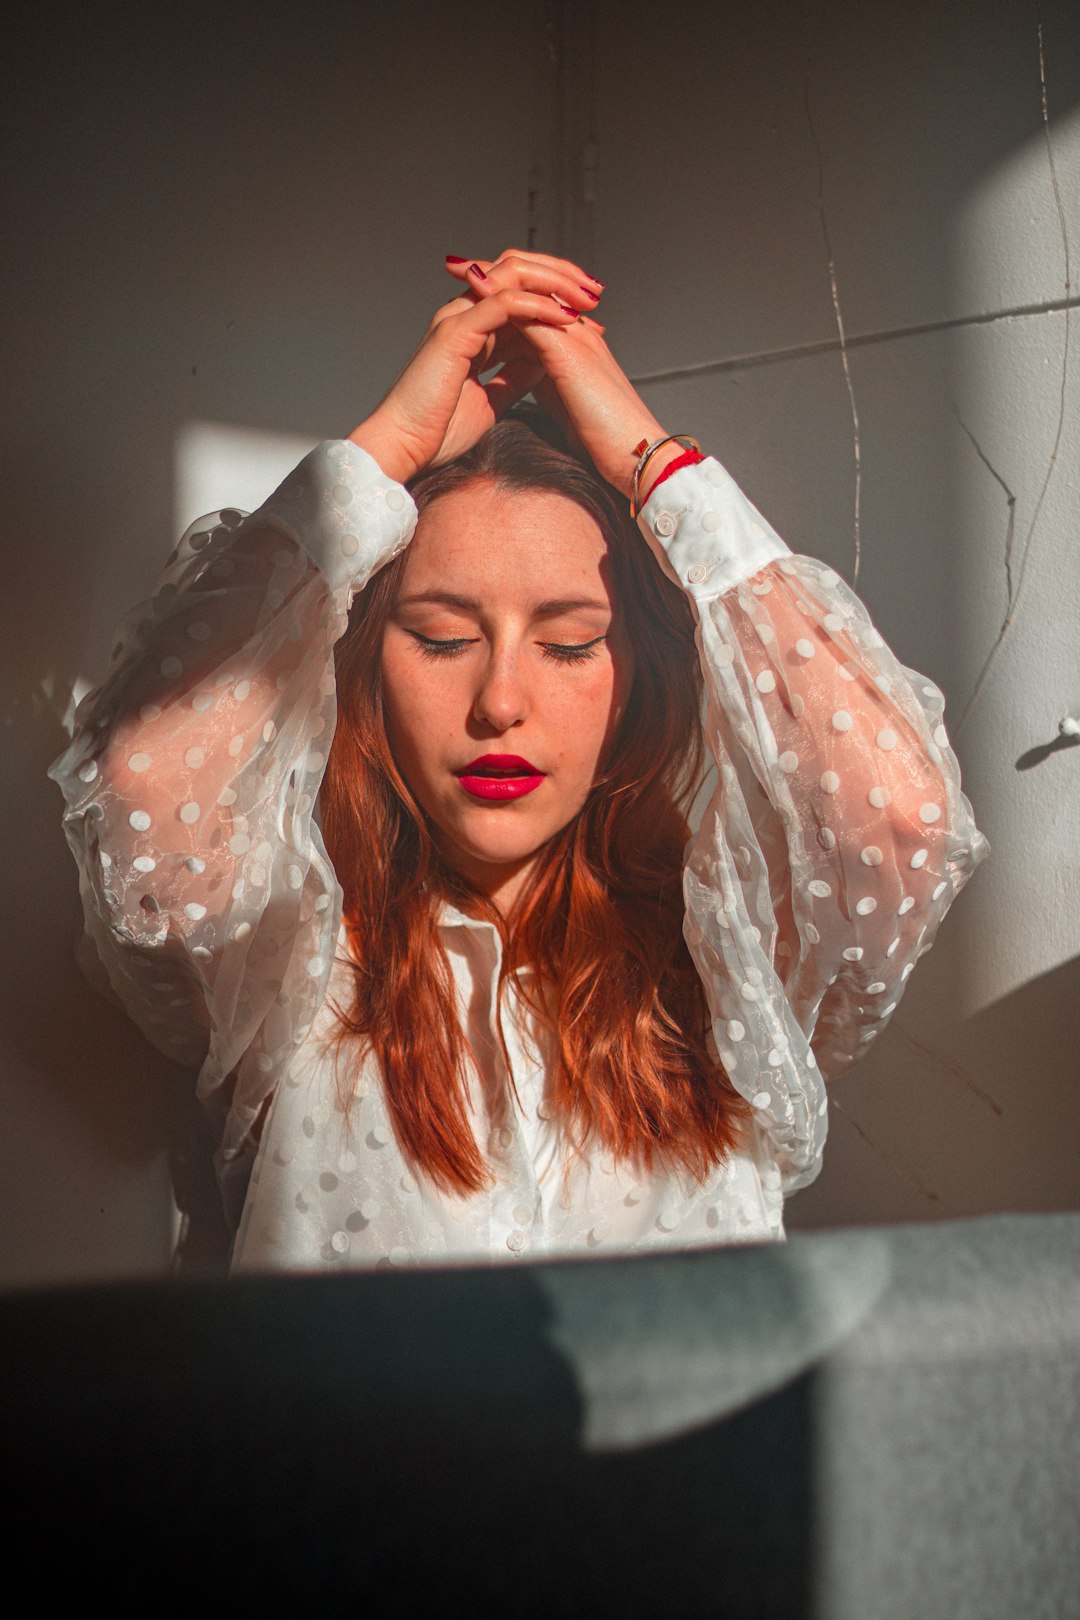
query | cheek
(590,713)
(404,703)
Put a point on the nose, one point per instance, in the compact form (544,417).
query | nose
(502,700)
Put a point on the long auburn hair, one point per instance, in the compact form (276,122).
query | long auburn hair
(600,920)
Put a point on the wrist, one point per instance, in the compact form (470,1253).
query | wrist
(656,459)
(657,466)
(384,447)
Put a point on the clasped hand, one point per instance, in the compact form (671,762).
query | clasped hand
(523,322)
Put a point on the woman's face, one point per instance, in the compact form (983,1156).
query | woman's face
(505,674)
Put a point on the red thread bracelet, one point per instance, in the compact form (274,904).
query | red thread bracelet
(689,458)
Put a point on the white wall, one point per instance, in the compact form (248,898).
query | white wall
(237,218)
(913,135)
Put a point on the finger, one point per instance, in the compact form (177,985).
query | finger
(566,267)
(476,324)
(530,278)
(456,306)
(457,264)
(537,271)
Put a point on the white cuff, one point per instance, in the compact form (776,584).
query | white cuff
(340,507)
(702,526)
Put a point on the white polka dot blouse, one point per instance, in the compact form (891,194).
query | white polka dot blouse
(834,842)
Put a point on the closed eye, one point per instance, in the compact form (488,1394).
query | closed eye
(572,652)
(431,648)
(558,651)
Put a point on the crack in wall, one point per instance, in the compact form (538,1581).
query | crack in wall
(1011,503)
(945,1066)
(1068,303)
(931,1060)
(800,351)
(834,287)
(900,1171)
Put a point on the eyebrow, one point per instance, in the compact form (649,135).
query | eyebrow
(543,610)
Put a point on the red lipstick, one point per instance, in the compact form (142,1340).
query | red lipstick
(499,777)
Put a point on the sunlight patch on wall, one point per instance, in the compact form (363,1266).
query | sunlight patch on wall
(1013,254)
(218,464)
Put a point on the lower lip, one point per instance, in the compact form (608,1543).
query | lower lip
(499,788)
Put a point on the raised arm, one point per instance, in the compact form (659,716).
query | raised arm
(838,834)
(193,771)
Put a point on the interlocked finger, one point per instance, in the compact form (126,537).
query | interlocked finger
(561,280)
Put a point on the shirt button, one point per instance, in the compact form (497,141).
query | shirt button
(699,572)
(517,1241)
(523,1214)
(664,524)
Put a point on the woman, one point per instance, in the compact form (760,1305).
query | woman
(468,1025)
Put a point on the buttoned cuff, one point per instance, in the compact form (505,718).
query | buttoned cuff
(706,532)
(340,507)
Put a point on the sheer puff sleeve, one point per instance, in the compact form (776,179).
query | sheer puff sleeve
(192,775)
(838,835)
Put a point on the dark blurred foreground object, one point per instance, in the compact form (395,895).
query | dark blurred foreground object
(861,1424)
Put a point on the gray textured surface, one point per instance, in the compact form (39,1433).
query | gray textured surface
(860,1426)
(948,1431)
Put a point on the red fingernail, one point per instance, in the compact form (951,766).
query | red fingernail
(590,294)
(600,284)
(475,270)
(455,258)
(566,308)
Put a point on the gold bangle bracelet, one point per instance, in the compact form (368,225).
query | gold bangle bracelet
(645,452)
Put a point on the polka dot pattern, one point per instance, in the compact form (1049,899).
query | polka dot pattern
(824,863)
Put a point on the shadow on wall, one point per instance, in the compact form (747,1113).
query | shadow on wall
(196,234)
(81,1086)
(999,1085)
(1027,1039)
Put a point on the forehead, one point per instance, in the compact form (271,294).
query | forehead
(485,542)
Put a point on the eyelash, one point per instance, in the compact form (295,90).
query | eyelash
(558,652)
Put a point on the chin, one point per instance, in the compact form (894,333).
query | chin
(517,846)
